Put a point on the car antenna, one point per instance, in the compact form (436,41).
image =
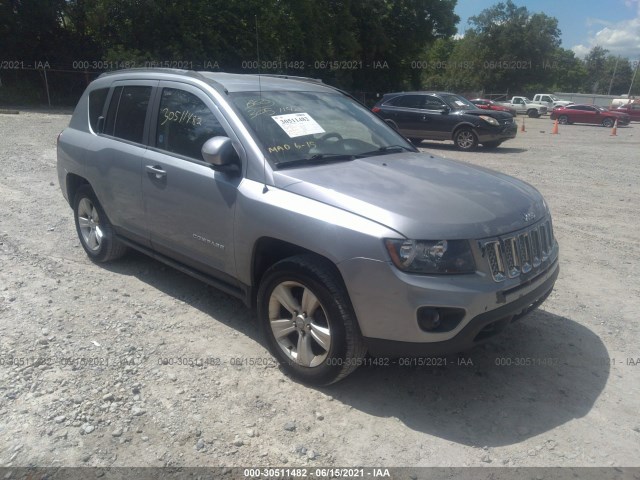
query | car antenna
(264,160)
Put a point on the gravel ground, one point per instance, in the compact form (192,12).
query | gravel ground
(559,388)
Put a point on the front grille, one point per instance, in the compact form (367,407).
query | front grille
(512,255)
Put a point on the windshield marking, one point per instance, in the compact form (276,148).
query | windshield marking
(298,124)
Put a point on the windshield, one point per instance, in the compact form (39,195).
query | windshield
(456,102)
(303,128)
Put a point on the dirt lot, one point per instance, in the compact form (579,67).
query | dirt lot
(559,388)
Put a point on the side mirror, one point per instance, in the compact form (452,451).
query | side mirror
(220,153)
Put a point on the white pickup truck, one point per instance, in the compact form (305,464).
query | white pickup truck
(524,106)
(551,101)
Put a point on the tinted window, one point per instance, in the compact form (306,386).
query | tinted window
(635,107)
(127,112)
(433,103)
(408,101)
(185,123)
(96,104)
(575,107)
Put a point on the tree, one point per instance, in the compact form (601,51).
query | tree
(508,47)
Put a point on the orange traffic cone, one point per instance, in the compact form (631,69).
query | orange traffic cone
(614,130)
(555,128)
(522,129)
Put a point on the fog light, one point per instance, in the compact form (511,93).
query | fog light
(428,319)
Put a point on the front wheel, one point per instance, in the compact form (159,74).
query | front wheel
(465,139)
(94,230)
(308,322)
(607,122)
(563,120)
(533,114)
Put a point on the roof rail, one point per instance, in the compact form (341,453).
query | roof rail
(175,71)
(292,77)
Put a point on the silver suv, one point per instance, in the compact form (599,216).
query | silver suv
(290,195)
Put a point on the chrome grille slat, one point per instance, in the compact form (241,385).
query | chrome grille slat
(519,253)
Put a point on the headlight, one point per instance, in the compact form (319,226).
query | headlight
(424,256)
(490,120)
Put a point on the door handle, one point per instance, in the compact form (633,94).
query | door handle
(156,170)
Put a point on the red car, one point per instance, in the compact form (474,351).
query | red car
(631,109)
(485,104)
(592,114)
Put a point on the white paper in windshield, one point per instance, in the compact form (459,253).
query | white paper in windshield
(298,124)
(460,103)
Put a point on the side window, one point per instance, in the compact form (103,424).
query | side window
(185,123)
(546,99)
(433,103)
(635,107)
(518,101)
(408,101)
(127,112)
(96,103)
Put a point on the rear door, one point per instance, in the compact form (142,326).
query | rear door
(189,206)
(114,158)
(404,110)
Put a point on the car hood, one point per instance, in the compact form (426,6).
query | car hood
(497,114)
(419,195)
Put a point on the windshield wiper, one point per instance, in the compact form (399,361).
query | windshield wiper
(385,150)
(317,159)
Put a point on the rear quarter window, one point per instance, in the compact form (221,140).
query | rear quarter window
(96,105)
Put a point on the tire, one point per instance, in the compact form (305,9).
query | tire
(465,139)
(491,145)
(608,122)
(416,141)
(94,229)
(318,349)
(563,120)
(533,114)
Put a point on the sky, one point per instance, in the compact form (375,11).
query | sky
(611,24)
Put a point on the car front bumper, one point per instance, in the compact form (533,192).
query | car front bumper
(497,134)
(386,302)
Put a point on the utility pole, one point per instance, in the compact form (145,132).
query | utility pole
(634,77)
(614,75)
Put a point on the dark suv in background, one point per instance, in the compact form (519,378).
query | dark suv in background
(445,116)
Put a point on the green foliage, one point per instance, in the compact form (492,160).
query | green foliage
(358,45)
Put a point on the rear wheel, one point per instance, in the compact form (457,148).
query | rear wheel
(465,139)
(416,141)
(607,122)
(308,322)
(94,230)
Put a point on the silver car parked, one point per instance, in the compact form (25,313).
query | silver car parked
(290,195)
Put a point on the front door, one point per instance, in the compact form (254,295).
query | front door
(189,206)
